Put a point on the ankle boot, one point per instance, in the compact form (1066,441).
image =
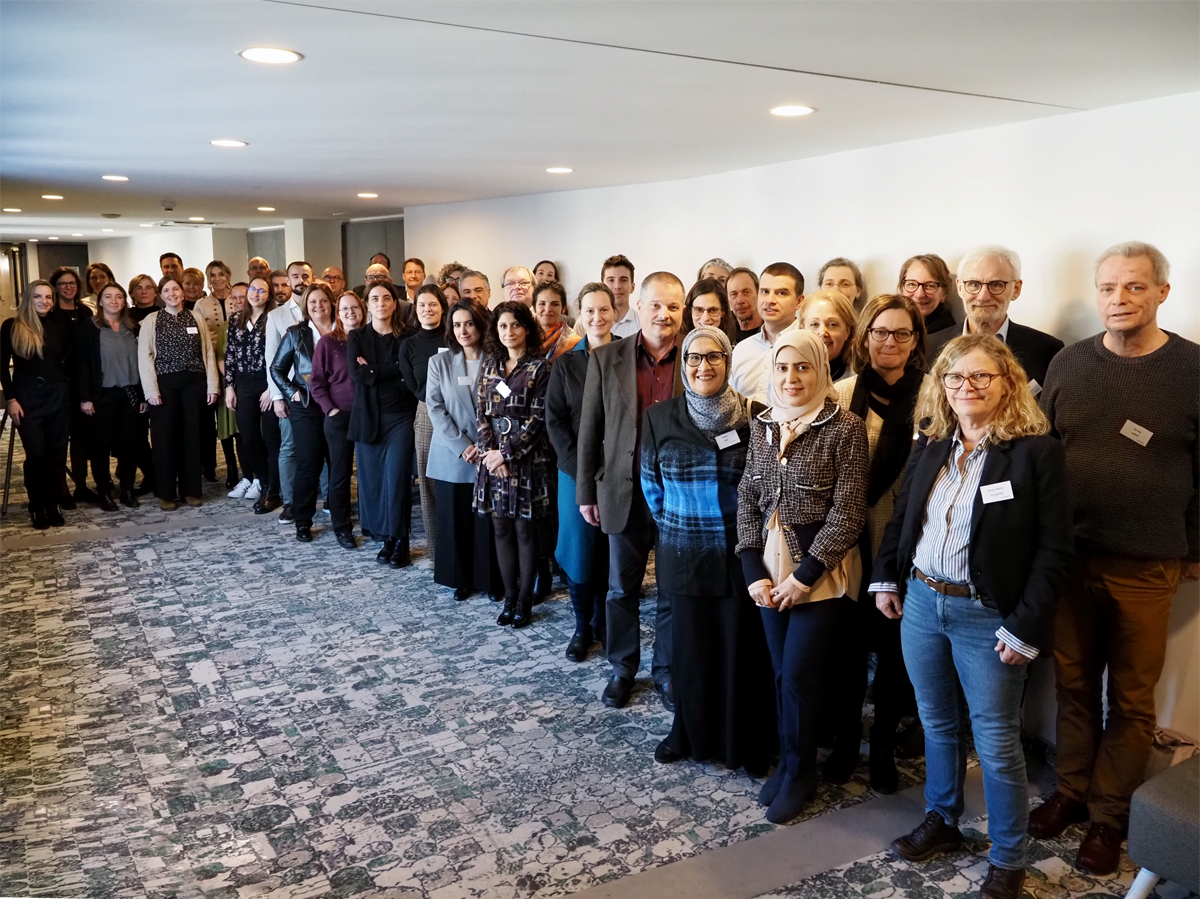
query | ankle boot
(544,585)
(509,610)
(38,519)
(524,612)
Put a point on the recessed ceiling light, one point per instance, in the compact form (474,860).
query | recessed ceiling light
(792,110)
(54,238)
(266,208)
(226,142)
(274,55)
(51,197)
(106,229)
(195,218)
(11,210)
(77,235)
(33,240)
(368,196)
(559,170)
(145,225)
(114,178)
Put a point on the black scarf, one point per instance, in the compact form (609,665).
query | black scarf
(895,437)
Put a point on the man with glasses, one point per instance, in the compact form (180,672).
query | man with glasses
(989,279)
(257,268)
(518,285)
(336,280)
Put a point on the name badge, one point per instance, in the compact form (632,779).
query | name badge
(1034,387)
(1136,433)
(193,330)
(443,349)
(729,438)
(995,493)
(464,380)
(503,389)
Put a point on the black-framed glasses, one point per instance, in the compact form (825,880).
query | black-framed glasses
(693,360)
(930,286)
(979,380)
(902,335)
(995,288)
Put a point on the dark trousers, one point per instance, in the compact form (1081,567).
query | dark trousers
(260,435)
(629,551)
(308,435)
(803,644)
(517,553)
(145,455)
(467,559)
(45,428)
(81,445)
(118,431)
(175,433)
(341,467)
(208,441)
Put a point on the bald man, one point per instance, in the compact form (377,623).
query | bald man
(257,268)
(334,277)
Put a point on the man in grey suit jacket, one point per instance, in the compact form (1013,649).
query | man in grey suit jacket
(625,378)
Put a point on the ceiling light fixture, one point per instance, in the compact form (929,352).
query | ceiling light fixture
(266,208)
(146,225)
(272,55)
(51,197)
(114,178)
(106,229)
(53,238)
(195,218)
(559,170)
(228,142)
(788,111)
(368,196)
(33,240)
(77,235)
(8,209)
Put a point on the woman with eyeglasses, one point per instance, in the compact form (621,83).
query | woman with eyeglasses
(249,396)
(888,352)
(707,306)
(970,568)
(513,480)
(801,508)
(382,426)
(693,456)
(831,316)
(179,377)
(39,348)
(926,280)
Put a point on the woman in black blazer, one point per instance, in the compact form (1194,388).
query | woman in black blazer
(292,371)
(971,562)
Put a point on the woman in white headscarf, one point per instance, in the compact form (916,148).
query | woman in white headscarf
(801,509)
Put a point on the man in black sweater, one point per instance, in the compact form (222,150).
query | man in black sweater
(1125,405)
(989,279)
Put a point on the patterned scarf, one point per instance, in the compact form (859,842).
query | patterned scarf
(725,410)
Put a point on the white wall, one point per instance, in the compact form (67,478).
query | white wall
(129,257)
(1056,190)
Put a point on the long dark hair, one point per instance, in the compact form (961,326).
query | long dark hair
(524,316)
(61,272)
(479,316)
(240,318)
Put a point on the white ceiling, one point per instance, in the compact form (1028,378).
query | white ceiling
(430,102)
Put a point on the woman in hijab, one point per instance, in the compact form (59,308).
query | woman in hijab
(693,454)
(801,507)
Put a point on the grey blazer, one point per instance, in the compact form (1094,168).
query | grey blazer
(451,407)
(606,473)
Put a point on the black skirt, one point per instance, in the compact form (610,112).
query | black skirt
(466,555)
(723,682)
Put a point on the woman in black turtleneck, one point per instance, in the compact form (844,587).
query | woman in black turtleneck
(414,367)
(38,346)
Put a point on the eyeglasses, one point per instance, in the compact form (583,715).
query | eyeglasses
(880,335)
(980,380)
(995,288)
(693,360)
(255,290)
(930,286)
(524,284)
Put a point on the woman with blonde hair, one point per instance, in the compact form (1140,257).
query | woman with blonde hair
(38,347)
(970,565)
(831,317)
(143,292)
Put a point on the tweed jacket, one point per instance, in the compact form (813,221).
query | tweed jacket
(821,492)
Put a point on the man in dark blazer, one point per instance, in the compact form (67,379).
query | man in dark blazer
(623,380)
(989,279)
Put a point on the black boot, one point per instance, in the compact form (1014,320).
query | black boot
(38,519)
(128,500)
(577,649)
(884,777)
(384,556)
(400,555)
(524,613)
(508,612)
(104,499)
(544,585)
(54,516)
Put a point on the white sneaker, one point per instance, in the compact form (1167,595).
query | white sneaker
(254,491)
(239,492)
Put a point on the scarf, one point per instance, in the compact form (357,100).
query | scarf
(558,340)
(896,435)
(793,421)
(725,410)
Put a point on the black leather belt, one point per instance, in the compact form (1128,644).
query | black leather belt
(504,424)
(941,586)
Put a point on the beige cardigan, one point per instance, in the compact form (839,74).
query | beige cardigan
(146,355)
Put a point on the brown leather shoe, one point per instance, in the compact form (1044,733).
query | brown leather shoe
(1002,883)
(1055,815)
(931,837)
(1100,851)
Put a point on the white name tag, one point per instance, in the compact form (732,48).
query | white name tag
(729,438)
(443,349)
(1034,387)
(193,330)
(767,434)
(503,389)
(1136,433)
(995,493)
(464,380)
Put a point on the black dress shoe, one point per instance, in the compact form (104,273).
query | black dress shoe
(1055,815)
(1002,883)
(385,555)
(401,557)
(495,597)
(54,516)
(286,514)
(106,503)
(524,613)
(931,837)
(345,539)
(665,755)
(505,618)
(304,533)
(617,692)
(577,649)
(266,504)
(128,500)
(38,519)
(461,593)
(667,694)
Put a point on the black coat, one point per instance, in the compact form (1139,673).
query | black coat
(1021,548)
(1033,348)
(380,374)
(295,354)
(564,404)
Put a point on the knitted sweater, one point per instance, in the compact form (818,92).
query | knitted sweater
(1127,498)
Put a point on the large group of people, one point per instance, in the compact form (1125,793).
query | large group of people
(821,478)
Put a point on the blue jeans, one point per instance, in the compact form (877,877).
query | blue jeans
(950,641)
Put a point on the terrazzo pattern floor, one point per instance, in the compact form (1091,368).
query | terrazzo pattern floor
(217,710)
